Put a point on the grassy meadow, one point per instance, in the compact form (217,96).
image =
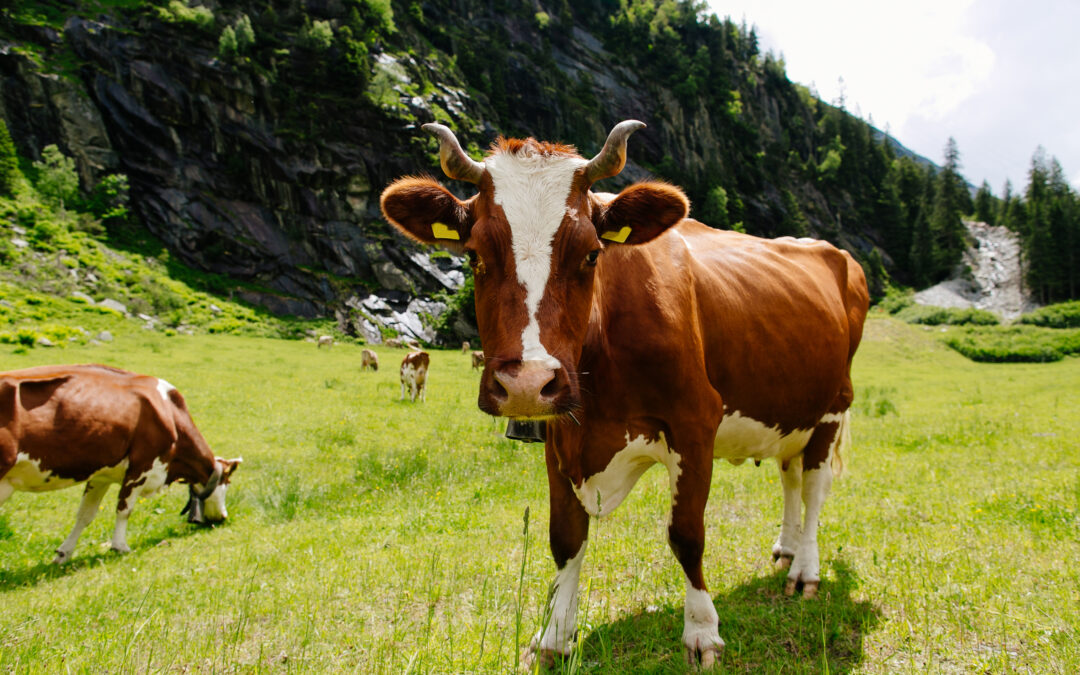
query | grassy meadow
(372,535)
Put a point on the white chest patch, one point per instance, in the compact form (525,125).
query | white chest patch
(28,476)
(602,492)
(532,191)
(739,438)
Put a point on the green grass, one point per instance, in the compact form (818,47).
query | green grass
(377,536)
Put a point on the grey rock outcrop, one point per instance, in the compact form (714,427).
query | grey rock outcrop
(991,276)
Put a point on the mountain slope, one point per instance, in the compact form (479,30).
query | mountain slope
(262,158)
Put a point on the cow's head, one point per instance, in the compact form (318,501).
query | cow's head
(206,501)
(535,236)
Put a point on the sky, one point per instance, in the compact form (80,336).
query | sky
(1002,77)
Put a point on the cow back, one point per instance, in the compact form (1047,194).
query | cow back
(769,327)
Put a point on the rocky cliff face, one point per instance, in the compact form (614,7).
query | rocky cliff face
(253,169)
(991,276)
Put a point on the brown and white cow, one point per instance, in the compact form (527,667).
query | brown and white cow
(477,360)
(325,340)
(63,425)
(465,347)
(414,368)
(641,336)
(369,359)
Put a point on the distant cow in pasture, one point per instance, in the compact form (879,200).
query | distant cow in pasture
(633,335)
(325,341)
(465,346)
(412,344)
(63,425)
(369,359)
(414,368)
(477,360)
(395,343)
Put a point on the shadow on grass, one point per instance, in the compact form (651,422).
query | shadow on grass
(765,632)
(91,554)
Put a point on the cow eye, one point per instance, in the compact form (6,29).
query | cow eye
(591,257)
(475,262)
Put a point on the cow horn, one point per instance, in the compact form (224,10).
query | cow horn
(612,157)
(455,163)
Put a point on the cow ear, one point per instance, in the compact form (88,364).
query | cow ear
(427,212)
(231,465)
(640,213)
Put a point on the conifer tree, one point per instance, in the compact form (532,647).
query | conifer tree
(985,210)
(9,162)
(922,253)
(946,226)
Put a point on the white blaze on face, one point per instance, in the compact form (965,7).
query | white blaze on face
(532,190)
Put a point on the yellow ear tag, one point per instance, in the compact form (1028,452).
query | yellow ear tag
(617,237)
(441,231)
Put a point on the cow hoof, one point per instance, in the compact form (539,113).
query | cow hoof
(121,549)
(61,558)
(809,588)
(534,659)
(790,587)
(703,659)
(782,561)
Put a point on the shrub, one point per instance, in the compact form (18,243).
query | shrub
(109,198)
(245,34)
(935,316)
(227,45)
(1015,344)
(317,35)
(178,11)
(57,180)
(1061,315)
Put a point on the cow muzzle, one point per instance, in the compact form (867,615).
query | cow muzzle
(527,390)
(197,499)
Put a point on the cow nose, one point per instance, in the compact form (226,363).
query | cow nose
(527,390)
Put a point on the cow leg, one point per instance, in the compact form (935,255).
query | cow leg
(134,487)
(568,533)
(783,551)
(817,478)
(88,508)
(686,535)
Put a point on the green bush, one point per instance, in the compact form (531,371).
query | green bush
(178,11)
(1061,315)
(1015,344)
(896,299)
(929,315)
(57,179)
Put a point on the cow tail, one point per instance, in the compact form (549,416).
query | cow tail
(842,445)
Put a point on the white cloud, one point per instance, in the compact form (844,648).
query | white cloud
(998,76)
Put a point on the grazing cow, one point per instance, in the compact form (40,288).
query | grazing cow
(637,335)
(477,360)
(396,343)
(412,344)
(325,340)
(414,369)
(62,425)
(465,346)
(369,359)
